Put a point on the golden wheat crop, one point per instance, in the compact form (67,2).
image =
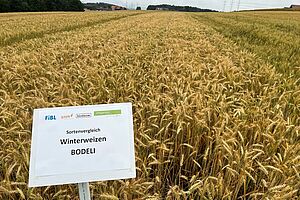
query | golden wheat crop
(17,27)
(211,121)
(273,36)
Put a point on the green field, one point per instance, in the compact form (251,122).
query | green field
(216,98)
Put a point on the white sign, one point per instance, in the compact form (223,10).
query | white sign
(82,144)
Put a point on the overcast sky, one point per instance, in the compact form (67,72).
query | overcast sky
(212,4)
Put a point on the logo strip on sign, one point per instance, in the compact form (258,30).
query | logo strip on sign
(107,112)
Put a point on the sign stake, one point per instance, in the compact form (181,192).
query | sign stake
(84,191)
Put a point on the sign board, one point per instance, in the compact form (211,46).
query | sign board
(82,144)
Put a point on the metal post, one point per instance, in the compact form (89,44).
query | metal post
(231,5)
(224,6)
(84,191)
(239,3)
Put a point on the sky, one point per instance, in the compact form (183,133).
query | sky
(229,5)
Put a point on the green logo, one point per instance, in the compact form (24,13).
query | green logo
(107,112)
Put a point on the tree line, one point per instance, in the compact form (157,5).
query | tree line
(40,5)
(178,8)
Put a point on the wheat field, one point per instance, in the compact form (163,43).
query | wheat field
(216,103)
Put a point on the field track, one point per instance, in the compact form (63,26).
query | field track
(215,116)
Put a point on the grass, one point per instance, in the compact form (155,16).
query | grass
(212,119)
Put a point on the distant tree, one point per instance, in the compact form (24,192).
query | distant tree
(75,5)
(50,5)
(151,7)
(40,5)
(15,5)
(5,6)
(25,6)
(138,8)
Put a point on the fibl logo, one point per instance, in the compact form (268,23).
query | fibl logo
(50,117)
